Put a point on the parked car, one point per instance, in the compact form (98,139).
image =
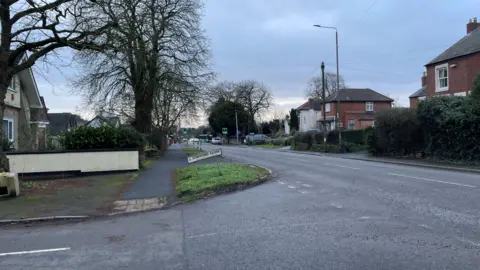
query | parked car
(216,140)
(194,140)
(257,138)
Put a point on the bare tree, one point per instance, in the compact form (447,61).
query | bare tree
(255,97)
(225,90)
(30,30)
(159,48)
(314,89)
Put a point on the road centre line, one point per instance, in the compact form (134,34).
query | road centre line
(432,180)
(34,251)
(353,168)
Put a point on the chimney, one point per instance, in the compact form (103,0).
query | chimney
(472,25)
(424,79)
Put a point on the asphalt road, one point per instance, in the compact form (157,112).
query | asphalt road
(318,213)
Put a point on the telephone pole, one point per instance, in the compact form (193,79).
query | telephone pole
(323,98)
(236,125)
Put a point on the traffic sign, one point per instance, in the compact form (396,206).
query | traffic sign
(224,131)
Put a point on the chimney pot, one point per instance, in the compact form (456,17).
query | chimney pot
(424,79)
(472,25)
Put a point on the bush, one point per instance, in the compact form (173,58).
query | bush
(105,137)
(303,137)
(450,127)
(332,137)
(301,146)
(397,132)
(318,137)
(7,145)
(325,148)
(353,136)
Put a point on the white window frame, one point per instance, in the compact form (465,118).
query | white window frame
(369,106)
(13,84)
(438,88)
(422,98)
(351,122)
(10,120)
(327,107)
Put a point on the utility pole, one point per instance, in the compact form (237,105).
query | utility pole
(338,90)
(236,125)
(324,123)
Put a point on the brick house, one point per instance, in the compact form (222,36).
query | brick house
(354,108)
(25,118)
(453,71)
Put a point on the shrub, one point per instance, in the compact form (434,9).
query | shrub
(7,145)
(325,148)
(397,132)
(303,137)
(288,141)
(332,137)
(301,146)
(105,137)
(353,136)
(318,137)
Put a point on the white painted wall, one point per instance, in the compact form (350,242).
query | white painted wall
(73,161)
(287,126)
(309,119)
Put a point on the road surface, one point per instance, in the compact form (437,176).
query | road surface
(318,213)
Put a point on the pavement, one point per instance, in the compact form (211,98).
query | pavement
(319,212)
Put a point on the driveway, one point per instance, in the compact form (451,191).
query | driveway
(318,213)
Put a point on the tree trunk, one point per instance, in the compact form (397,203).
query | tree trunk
(4,82)
(143,114)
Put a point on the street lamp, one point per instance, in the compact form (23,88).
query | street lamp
(338,75)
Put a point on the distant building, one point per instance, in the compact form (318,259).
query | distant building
(453,71)
(354,108)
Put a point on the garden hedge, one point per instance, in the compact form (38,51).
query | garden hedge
(105,137)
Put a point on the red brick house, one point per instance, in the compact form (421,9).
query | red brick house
(452,72)
(354,108)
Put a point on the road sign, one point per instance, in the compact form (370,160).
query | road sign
(185,131)
(224,131)
(202,156)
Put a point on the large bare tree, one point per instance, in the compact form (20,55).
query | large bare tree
(158,43)
(255,97)
(314,88)
(32,29)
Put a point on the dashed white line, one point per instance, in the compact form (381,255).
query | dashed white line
(281,183)
(303,192)
(336,205)
(291,186)
(306,185)
(353,168)
(432,180)
(34,251)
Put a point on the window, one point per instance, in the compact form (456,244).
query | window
(8,129)
(369,106)
(421,98)
(12,85)
(327,107)
(441,78)
(351,124)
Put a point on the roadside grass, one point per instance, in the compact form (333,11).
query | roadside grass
(191,185)
(270,146)
(191,151)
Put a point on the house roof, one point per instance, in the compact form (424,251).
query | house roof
(357,94)
(60,122)
(111,120)
(419,93)
(315,104)
(467,45)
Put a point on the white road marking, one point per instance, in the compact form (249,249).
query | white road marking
(336,205)
(281,183)
(303,192)
(353,168)
(432,180)
(291,186)
(306,185)
(34,251)
(364,217)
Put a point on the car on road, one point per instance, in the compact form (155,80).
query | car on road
(257,139)
(216,140)
(193,140)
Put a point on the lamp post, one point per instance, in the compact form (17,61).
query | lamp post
(338,75)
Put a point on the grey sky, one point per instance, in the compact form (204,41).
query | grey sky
(273,41)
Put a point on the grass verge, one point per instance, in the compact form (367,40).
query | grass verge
(191,185)
(268,146)
(191,151)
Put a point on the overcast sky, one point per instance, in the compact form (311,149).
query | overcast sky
(384,44)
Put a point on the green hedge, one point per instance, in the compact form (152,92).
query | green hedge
(282,141)
(354,136)
(105,137)
(440,128)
